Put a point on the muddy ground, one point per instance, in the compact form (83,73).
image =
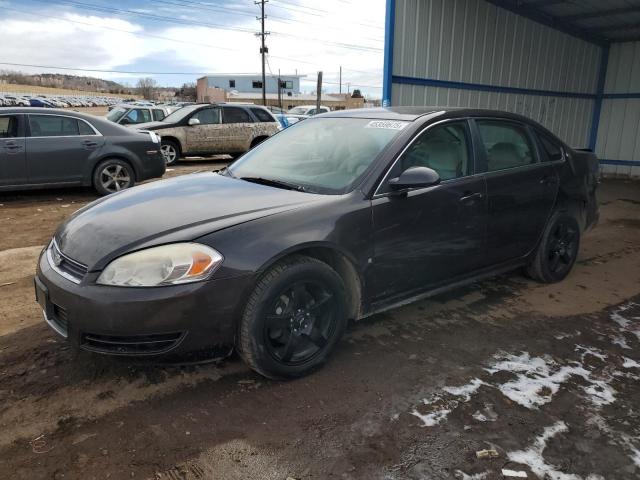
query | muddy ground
(548,376)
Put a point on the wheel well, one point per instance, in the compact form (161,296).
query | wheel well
(257,140)
(345,268)
(573,206)
(115,157)
(174,140)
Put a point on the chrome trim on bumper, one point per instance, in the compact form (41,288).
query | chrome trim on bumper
(53,325)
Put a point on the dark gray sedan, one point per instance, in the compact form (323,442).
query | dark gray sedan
(60,148)
(336,218)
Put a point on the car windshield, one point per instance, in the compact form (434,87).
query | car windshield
(299,110)
(116,113)
(320,155)
(180,114)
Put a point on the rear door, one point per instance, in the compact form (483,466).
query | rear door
(13,165)
(521,188)
(58,148)
(238,129)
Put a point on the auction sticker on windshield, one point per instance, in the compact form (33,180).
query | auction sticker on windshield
(386,124)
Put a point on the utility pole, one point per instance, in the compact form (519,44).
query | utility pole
(319,92)
(279,90)
(340,78)
(263,48)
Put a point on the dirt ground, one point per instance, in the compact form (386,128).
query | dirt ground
(545,375)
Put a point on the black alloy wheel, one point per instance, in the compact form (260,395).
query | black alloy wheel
(301,321)
(293,319)
(557,250)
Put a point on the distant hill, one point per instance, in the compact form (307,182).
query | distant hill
(70,82)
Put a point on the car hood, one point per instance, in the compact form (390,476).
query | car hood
(152,125)
(179,209)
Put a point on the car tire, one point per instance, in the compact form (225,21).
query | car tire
(170,151)
(113,175)
(293,319)
(558,249)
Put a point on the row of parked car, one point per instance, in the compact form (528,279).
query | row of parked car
(53,148)
(56,101)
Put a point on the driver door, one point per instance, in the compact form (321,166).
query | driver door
(429,236)
(206,136)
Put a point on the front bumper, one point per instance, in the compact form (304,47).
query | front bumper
(141,321)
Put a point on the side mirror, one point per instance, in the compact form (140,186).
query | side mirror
(125,121)
(415,177)
(194,121)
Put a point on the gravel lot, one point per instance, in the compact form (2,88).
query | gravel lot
(546,375)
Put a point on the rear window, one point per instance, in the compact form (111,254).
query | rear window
(84,128)
(262,115)
(550,147)
(52,126)
(235,115)
(158,115)
(8,127)
(506,144)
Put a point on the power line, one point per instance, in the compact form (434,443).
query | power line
(161,18)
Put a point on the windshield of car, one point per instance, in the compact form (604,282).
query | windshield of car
(180,114)
(320,155)
(299,110)
(116,113)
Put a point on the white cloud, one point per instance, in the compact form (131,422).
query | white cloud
(305,42)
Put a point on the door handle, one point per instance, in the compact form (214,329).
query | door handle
(548,180)
(471,198)
(89,143)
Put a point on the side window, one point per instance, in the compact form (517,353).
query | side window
(207,116)
(313,111)
(443,148)
(550,147)
(8,127)
(507,145)
(262,115)
(255,84)
(235,115)
(52,126)
(138,115)
(158,114)
(84,128)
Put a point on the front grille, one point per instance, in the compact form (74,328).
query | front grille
(131,345)
(65,265)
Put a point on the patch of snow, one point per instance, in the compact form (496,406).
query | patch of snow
(513,473)
(432,419)
(630,363)
(594,352)
(620,340)
(533,458)
(465,391)
(480,417)
(538,379)
(476,476)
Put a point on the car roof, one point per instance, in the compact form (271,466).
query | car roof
(104,126)
(413,113)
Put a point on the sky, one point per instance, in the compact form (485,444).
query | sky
(186,39)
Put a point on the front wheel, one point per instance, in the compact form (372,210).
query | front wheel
(113,175)
(170,151)
(295,316)
(557,251)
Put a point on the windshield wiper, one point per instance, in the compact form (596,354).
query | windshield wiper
(274,183)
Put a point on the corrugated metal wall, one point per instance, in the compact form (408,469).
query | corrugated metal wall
(473,41)
(619,131)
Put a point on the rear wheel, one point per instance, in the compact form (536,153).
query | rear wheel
(170,151)
(557,251)
(113,175)
(293,319)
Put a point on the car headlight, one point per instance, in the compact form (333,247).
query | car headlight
(165,265)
